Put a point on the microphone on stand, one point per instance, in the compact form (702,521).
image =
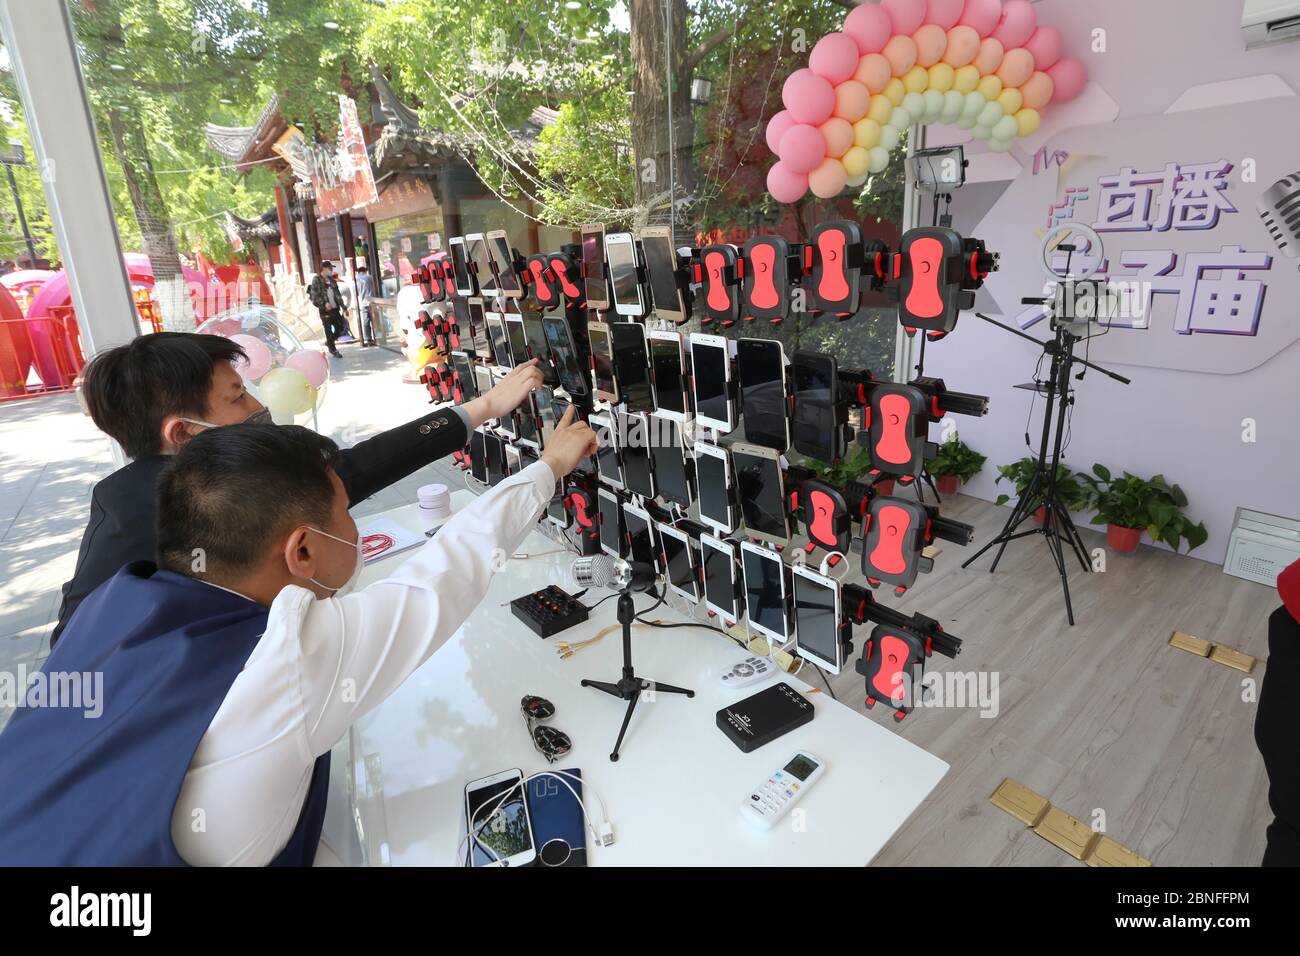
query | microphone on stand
(603,571)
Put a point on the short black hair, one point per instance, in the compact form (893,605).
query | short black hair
(232,491)
(326,264)
(130,389)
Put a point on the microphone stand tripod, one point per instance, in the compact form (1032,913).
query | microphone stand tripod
(629,686)
(1041,490)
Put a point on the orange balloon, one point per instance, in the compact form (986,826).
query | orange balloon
(873,72)
(851,101)
(900,51)
(1017,67)
(1037,90)
(839,136)
(963,44)
(989,57)
(930,42)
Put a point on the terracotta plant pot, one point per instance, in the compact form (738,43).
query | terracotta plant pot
(1040,514)
(947,484)
(1121,539)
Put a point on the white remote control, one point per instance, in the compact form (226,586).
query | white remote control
(773,798)
(750,671)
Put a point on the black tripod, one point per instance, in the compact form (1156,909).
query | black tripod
(1042,492)
(629,686)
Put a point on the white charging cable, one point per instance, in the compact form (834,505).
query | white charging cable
(604,834)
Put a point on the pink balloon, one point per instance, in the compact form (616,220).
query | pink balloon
(1037,90)
(777,127)
(802,148)
(838,134)
(312,364)
(930,42)
(808,97)
(904,15)
(784,185)
(1017,67)
(258,361)
(1016,24)
(1068,79)
(870,28)
(1045,47)
(943,13)
(989,58)
(963,44)
(835,57)
(828,180)
(982,15)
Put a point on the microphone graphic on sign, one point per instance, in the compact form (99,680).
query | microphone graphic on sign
(1279,208)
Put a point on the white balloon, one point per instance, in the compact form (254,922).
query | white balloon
(1005,128)
(974,102)
(991,113)
(889,136)
(952,104)
(914,103)
(877,159)
(980,131)
(999,145)
(901,118)
(856,181)
(933,105)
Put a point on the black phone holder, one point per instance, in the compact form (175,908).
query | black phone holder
(542,283)
(896,532)
(580,501)
(717,269)
(769,269)
(897,422)
(839,266)
(936,272)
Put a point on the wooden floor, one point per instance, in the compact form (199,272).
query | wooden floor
(1100,718)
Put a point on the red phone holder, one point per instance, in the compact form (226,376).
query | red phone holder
(937,273)
(718,270)
(768,269)
(895,531)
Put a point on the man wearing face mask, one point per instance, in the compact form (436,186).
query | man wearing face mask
(158,391)
(232,668)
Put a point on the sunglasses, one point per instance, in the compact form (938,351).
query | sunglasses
(550,742)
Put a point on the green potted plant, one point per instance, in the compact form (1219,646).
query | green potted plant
(1129,505)
(1070,489)
(855,466)
(955,463)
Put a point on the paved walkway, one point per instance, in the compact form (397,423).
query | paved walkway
(51,456)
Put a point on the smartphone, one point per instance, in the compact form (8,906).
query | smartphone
(668,461)
(667,373)
(641,544)
(817,618)
(460,361)
(760,366)
(484,381)
(815,430)
(557,512)
(680,562)
(620,253)
(602,362)
(478,455)
(477,324)
(609,466)
(765,592)
(464,279)
(715,487)
(481,265)
(720,579)
(632,365)
(526,421)
(634,442)
(595,283)
(496,325)
(504,259)
(500,830)
(539,348)
(494,456)
(547,418)
(711,378)
(514,461)
(517,338)
(760,488)
(661,267)
(612,539)
(568,365)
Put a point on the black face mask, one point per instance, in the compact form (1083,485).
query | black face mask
(257,418)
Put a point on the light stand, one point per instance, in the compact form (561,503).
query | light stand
(1041,490)
(629,686)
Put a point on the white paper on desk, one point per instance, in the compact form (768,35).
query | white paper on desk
(381,538)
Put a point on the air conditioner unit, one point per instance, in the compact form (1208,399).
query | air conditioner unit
(1269,21)
(1261,546)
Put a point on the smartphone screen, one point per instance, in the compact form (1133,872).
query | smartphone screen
(611,524)
(813,427)
(816,623)
(669,461)
(465,372)
(498,824)
(681,566)
(711,486)
(631,365)
(572,375)
(593,262)
(666,363)
(761,369)
(602,359)
(460,270)
(545,399)
(764,591)
(495,458)
(477,321)
(483,379)
(758,486)
(539,348)
(709,373)
(719,577)
(607,457)
(518,339)
(661,264)
(527,422)
(478,455)
(478,255)
(641,544)
(621,253)
(496,325)
(505,263)
(635,442)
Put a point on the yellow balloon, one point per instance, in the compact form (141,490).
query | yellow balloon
(917,80)
(286,391)
(1011,100)
(866,133)
(990,86)
(1028,121)
(966,78)
(894,90)
(856,161)
(941,77)
(880,108)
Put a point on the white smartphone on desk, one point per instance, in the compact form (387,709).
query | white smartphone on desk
(496,811)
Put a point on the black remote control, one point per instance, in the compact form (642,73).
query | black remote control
(549,611)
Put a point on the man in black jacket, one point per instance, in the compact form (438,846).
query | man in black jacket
(325,295)
(155,393)
(1277,721)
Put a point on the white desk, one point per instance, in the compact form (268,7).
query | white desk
(457,718)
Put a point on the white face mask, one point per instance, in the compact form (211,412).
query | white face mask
(347,586)
(257,418)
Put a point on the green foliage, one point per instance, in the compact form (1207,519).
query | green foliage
(955,457)
(1070,488)
(1148,503)
(852,467)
